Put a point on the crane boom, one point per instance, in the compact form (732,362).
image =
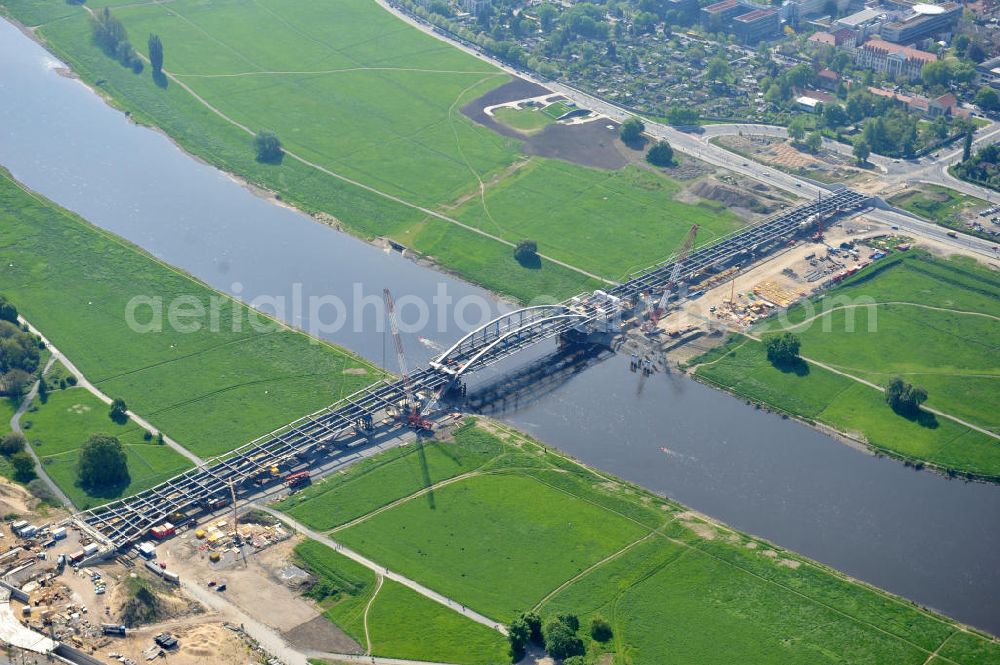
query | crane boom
(675,274)
(411,412)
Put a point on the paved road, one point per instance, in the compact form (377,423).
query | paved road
(382,570)
(15,425)
(692,144)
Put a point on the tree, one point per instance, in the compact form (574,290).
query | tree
(524,629)
(12,443)
(975,52)
(834,116)
(119,410)
(987,99)
(103,464)
(967,146)
(631,131)
(561,640)
(936,72)
(660,154)
(155,54)
(797,128)
(904,398)
(268,147)
(600,629)
(526,252)
(677,115)
(547,14)
(814,142)
(14,382)
(862,150)
(24,467)
(718,70)
(7,310)
(782,349)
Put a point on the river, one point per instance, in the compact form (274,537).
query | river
(915,533)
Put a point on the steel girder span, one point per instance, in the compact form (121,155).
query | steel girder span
(507,334)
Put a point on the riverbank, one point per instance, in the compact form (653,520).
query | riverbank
(685,578)
(191,357)
(911,315)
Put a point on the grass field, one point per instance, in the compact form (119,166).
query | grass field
(61,425)
(73,282)
(675,588)
(359,93)
(528,120)
(938,204)
(613,222)
(401,623)
(948,350)
(557,109)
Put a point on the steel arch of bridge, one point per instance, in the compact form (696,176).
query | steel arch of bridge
(505,335)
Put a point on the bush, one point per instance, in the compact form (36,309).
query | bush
(526,252)
(147,435)
(71,380)
(631,131)
(268,147)
(7,310)
(12,443)
(661,154)
(119,411)
(575,660)
(40,490)
(904,398)
(24,467)
(782,349)
(600,629)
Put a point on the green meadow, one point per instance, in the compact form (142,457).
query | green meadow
(931,321)
(73,281)
(360,94)
(527,120)
(401,623)
(532,529)
(938,204)
(63,423)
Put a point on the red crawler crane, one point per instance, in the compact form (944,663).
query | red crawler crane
(410,413)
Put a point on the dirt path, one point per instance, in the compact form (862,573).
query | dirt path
(382,570)
(835,370)
(371,601)
(15,425)
(879,304)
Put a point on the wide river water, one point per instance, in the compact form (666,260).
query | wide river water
(933,540)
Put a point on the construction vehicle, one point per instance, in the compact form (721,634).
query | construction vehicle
(656,312)
(297,479)
(410,409)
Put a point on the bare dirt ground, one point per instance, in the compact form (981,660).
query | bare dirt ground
(200,643)
(255,587)
(14,499)
(826,166)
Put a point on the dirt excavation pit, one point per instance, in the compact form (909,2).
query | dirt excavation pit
(198,644)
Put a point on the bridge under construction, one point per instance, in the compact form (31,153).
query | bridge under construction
(313,438)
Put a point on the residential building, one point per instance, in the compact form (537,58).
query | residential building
(946,105)
(892,59)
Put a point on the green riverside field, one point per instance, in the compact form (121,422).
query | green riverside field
(64,422)
(933,322)
(530,528)
(73,282)
(360,94)
(401,623)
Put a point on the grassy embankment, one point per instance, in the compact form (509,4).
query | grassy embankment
(940,204)
(73,281)
(519,526)
(529,120)
(401,623)
(359,93)
(950,351)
